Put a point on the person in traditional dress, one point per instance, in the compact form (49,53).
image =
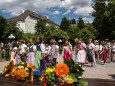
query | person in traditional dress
(13,55)
(96,50)
(113,51)
(81,54)
(47,51)
(53,52)
(31,52)
(104,54)
(90,52)
(100,51)
(23,50)
(40,55)
(67,52)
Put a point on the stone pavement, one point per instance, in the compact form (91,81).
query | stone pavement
(100,71)
(2,64)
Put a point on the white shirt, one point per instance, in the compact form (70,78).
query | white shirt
(47,49)
(113,48)
(42,46)
(34,47)
(96,47)
(100,47)
(22,48)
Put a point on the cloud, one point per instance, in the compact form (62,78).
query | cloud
(56,12)
(85,11)
(15,7)
(79,7)
(86,20)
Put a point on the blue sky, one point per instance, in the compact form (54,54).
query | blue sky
(53,9)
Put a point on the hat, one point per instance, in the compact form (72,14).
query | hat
(15,48)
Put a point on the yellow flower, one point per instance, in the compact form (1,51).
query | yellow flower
(49,70)
(70,80)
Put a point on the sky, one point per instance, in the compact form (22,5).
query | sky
(53,9)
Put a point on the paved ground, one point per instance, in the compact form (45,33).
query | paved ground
(100,71)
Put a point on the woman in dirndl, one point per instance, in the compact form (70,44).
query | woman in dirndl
(90,52)
(81,54)
(67,51)
(53,54)
(31,53)
(40,55)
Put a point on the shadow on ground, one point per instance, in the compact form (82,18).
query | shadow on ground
(112,75)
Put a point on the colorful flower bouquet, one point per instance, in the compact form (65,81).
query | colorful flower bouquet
(65,74)
(22,71)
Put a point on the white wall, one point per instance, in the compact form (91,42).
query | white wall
(21,25)
(30,23)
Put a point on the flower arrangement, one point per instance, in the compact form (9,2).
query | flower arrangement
(64,74)
(8,68)
(22,71)
(19,73)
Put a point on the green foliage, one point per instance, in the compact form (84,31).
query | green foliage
(85,34)
(3,24)
(40,26)
(80,23)
(12,29)
(104,19)
(7,29)
(73,33)
(28,36)
(72,21)
(55,33)
(74,68)
(65,24)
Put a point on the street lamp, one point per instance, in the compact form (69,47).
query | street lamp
(60,49)
(11,36)
(60,41)
(106,3)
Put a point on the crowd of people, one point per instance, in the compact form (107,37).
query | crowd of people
(43,54)
(94,52)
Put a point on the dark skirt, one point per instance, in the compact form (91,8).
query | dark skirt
(42,64)
(90,56)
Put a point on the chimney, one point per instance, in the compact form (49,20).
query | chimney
(23,11)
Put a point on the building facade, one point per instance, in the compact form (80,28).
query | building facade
(27,21)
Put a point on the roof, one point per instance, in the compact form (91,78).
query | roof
(24,15)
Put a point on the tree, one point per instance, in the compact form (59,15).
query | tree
(55,33)
(85,34)
(40,26)
(3,24)
(12,29)
(73,33)
(7,29)
(72,21)
(104,19)
(80,23)
(65,24)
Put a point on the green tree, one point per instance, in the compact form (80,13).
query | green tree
(85,34)
(3,24)
(7,29)
(73,33)
(80,23)
(12,29)
(55,33)
(104,19)
(72,21)
(65,24)
(40,26)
